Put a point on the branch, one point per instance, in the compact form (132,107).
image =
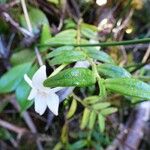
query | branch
(130,137)
(12,127)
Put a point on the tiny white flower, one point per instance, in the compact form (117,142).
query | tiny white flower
(42,96)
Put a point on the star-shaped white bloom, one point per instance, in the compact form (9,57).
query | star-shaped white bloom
(42,96)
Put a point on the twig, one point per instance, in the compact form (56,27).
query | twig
(62,15)
(130,137)
(11,4)
(73,9)
(4,53)
(147,54)
(10,41)
(12,127)
(124,53)
(3,50)
(25,115)
(9,19)
(28,121)
(39,58)
(124,24)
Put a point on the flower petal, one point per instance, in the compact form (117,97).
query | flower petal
(32,94)
(40,104)
(39,77)
(28,80)
(52,101)
(57,89)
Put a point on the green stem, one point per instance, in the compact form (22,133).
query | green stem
(26,15)
(57,70)
(96,74)
(103,44)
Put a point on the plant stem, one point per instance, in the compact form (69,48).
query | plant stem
(38,56)
(103,44)
(57,70)
(26,15)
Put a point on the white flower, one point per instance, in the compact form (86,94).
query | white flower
(42,96)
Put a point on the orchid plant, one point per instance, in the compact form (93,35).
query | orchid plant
(101,69)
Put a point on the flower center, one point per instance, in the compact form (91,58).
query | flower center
(41,92)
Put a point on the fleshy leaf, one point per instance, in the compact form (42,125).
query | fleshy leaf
(108,111)
(100,106)
(85,118)
(129,86)
(64,37)
(23,56)
(99,55)
(101,122)
(59,51)
(72,109)
(80,77)
(68,57)
(92,99)
(92,120)
(112,71)
(80,144)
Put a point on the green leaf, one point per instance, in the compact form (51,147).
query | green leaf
(58,146)
(71,33)
(59,51)
(64,37)
(23,56)
(72,109)
(99,55)
(92,120)
(69,24)
(68,57)
(54,1)
(102,91)
(92,99)
(45,34)
(64,134)
(11,79)
(37,17)
(79,77)
(89,26)
(108,111)
(85,118)
(79,145)
(101,122)
(60,40)
(4,134)
(129,86)
(112,71)
(22,92)
(89,31)
(100,106)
